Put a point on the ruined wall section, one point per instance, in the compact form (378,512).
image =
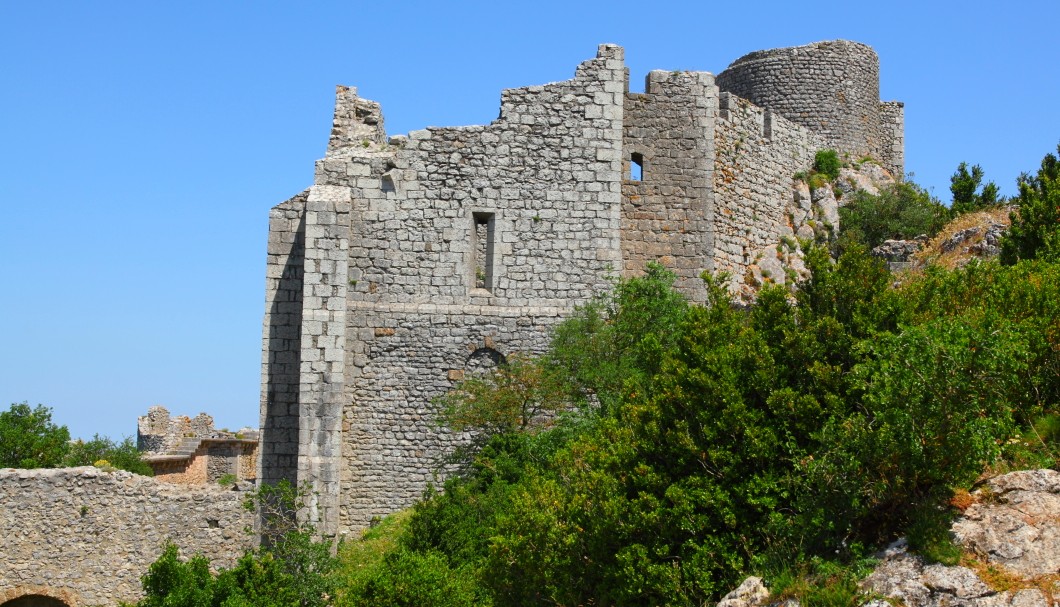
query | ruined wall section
(831,88)
(667,215)
(892,137)
(87,536)
(467,244)
(758,153)
(281,341)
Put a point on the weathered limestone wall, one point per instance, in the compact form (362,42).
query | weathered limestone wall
(758,153)
(892,137)
(282,341)
(832,88)
(86,536)
(667,216)
(541,185)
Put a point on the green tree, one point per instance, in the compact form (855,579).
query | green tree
(1035,229)
(617,340)
(964,185)
(901,211)
(29,439)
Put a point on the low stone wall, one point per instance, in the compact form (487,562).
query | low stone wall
(86,536)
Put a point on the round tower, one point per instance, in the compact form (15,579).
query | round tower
(832,88)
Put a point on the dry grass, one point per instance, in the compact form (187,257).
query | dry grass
(1001,579)
(932,252)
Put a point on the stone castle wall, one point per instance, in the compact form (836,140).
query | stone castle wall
(667,215)
(282,342)
(831,88)
(415,260)
(86,536)
(757,154)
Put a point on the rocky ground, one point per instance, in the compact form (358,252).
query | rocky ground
(1010,537)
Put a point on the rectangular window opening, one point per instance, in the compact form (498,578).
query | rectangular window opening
(482,250)
(636,167)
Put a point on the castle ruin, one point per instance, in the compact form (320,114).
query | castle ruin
(412,260)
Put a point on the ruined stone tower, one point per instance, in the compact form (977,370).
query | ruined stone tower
(415,259)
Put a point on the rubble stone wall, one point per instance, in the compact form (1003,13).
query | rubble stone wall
(758,152)
(86,536)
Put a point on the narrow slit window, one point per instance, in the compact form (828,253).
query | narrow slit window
(483,236)
(636,167)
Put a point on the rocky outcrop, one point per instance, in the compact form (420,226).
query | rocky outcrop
(1016,525)
(899,251)
(968,237)
(750,593)
(811,216)
(1011,538)
(977,241)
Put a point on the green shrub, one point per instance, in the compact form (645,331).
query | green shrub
(122,455)
(827,163)
(903,210)
(412,579)
(817,181)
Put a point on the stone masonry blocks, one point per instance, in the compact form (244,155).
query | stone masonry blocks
(418,260)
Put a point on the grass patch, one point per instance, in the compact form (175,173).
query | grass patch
(820,583)
(929,534)
(367,553)
(1001,579)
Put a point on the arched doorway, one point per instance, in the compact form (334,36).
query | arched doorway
(34,600)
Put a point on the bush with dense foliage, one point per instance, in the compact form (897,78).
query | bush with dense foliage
(903,210)
(718,441)
(1035,230)
(827,163)
(29,439)
(122,455)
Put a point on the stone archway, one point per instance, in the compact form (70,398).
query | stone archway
(34,600)
(37,596)
(483,360)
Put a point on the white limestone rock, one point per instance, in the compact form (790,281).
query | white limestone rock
(1015,524)
(751,593)
(1019,527)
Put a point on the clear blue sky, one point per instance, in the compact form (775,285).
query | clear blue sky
(142,145)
